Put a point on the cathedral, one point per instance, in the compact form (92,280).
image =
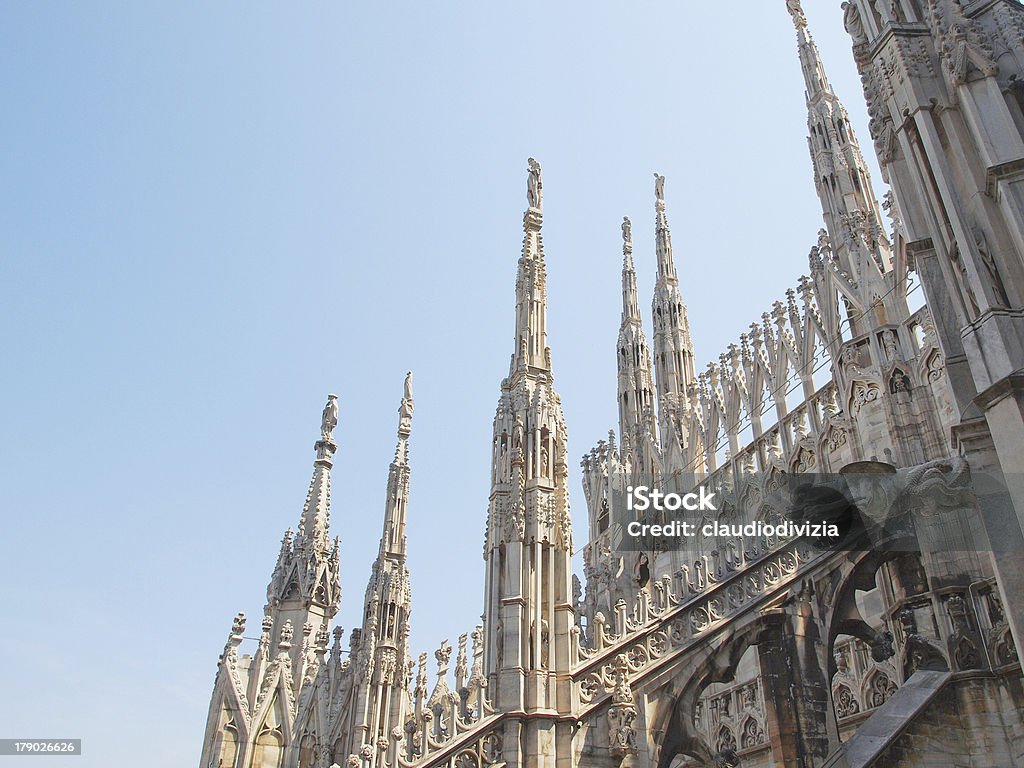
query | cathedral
(741,645)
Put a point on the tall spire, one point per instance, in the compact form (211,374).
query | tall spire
(810,59)
(636,382)
(528,612)
(673,348)
(531,284)
(840,173)
(856,250)
(384,637)
(630,302)
(663,238)
(314,525)
(392,542)
(305,587)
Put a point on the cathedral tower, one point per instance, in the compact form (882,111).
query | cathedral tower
(528,611)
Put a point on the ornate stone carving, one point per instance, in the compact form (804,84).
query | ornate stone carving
(622,713)
(882,688)
(845,702)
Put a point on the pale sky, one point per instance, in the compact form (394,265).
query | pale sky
(213,214)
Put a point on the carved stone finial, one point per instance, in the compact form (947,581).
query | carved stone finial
(627,235)
(462,661)
(443,657)
(659,189)
(323,637)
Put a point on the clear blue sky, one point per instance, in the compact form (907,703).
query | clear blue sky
(212,214)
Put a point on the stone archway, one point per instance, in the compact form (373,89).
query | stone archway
(676,739)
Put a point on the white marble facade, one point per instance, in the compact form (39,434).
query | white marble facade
(725,652)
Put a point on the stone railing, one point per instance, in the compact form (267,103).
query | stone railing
(446,720)
(635,647)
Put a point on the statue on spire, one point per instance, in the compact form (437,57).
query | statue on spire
(330,418)
(659,188)
(797,12)
(627,233)
(405,409)
(534,187)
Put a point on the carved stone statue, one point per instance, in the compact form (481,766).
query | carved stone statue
(330,418)
(405,410)
(889,344)
(627,230)
(287,633)
(853,23)
(824,244)
(659,187)
(990,266)
(797,12)
(892,210)
(964,279)
(534,188)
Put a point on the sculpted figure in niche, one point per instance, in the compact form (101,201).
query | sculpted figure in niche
(517,435)
(991,268)
(851,356)
(965,282)
(889,344)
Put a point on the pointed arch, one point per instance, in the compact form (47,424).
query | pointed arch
(268,751)
(227,742)
(307,750)
(726,740)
